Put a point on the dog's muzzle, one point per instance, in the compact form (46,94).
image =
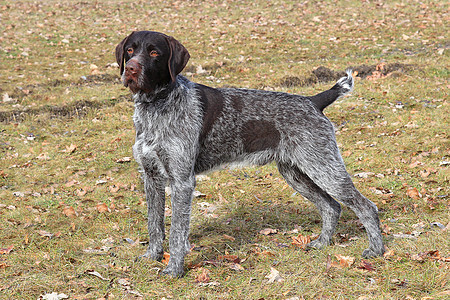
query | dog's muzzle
(131,76)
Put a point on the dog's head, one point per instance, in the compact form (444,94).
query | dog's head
(149,60)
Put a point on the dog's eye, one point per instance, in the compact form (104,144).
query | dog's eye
(153,53)
(130,51)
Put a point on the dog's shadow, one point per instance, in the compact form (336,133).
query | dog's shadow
(236,228)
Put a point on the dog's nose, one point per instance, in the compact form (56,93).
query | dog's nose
(132,67)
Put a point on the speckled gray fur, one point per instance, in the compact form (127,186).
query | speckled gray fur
(183,128)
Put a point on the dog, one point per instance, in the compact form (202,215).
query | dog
(185,128)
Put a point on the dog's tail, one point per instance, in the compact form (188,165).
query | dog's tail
(342,87)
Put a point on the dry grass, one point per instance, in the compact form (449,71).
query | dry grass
(70,207)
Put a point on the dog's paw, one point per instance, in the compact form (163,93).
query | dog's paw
(152,255)
(318,243)
(174,270)
(371,253)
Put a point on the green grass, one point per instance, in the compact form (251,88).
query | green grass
(66,121)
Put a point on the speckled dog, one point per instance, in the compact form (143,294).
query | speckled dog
(184,128)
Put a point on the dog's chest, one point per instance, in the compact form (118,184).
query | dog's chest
(162,138)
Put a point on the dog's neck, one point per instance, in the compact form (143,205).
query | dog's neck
(157,95)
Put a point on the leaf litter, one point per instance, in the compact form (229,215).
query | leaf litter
(29,88)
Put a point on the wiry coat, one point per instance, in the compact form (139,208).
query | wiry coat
(184,128)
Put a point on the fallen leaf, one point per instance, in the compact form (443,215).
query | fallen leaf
(101,181)
(345,261)
(123,160)
(3,266)
(266,253)
(102,207)
(236,267)
(232,258)
(45,233)
(364,174)
(6,250)
(54,296)
(203,277)
(213,283)
(228,237)
(166,257)
(433,254)
(329,264)
(124,282)
(274,276)
(412,235)
(96,274)
(347,153)
(80,192)
(413,193)
(388,253)
(365,265)
(301,241)
(200,178)
(268,231)
(113,189)
(7,98)
(71,148)
(69,211)
(43,156)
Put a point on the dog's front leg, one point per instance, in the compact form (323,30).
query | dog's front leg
(182,192)
(155,195)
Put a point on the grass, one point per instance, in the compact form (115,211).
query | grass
(71,205)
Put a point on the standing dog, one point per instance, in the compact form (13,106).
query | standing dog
(184,128)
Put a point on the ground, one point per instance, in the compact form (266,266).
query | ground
(72,208)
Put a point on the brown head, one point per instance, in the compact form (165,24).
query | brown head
(150,60)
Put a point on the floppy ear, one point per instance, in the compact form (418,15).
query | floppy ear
(178,57)
(120,52)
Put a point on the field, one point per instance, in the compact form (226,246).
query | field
(72,208)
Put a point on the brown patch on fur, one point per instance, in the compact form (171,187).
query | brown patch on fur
(212,101)
(259,135)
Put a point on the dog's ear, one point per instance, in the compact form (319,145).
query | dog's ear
(120,53)
(178,58)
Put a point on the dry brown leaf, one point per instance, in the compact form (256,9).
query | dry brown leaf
(80,192)
(228,237)
(203,277)
(367,266)
(236,267)
(6,250)
(71,148)
(113,189)
(345,261)
(388,253)
(266,253)
(329,264)
(166,257)
(413,193)
(3,266)
(69,211)
(45,233)
(268,231)
(102,207)
(43,156)
(301,241)
(71,183)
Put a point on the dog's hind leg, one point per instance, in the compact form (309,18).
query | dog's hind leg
(330,175)
(329,208)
